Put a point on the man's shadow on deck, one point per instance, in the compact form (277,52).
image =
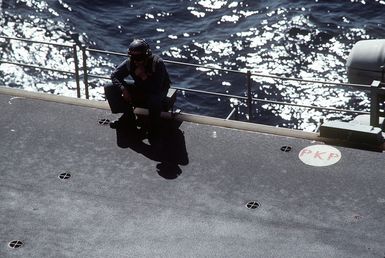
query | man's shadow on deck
(169,149)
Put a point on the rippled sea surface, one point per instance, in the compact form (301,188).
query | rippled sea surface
(301,39)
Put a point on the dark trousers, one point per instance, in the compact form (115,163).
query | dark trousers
(117,104)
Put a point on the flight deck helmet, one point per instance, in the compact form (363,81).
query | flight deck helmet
(139,49)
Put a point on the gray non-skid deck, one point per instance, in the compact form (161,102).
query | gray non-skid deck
(184,197)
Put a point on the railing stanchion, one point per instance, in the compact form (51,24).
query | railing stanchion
(249,97)
(236,111)
(85,71)
(374,107)
(77,77)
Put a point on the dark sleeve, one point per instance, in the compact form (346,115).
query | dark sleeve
(118,75)
(160,76)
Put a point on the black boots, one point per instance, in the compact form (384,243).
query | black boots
(126,121)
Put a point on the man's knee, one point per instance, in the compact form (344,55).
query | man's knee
(115,100)
(112,91)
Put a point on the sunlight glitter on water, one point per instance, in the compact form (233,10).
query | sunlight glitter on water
(261,38)
(212,4)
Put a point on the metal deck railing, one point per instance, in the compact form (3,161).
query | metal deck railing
(83,72)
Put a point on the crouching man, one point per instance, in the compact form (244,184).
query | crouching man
(148,89)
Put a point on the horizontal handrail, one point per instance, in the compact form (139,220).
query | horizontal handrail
(166,61)
(271,101)
(204,67)
(310,106)
(217,94)
(36,67)
(99,76)
(210,93)
(105,52)
(363,86)
(38,42)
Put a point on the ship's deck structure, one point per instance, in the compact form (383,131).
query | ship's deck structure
(187,196)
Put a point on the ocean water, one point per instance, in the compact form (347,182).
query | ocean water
(300,39)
